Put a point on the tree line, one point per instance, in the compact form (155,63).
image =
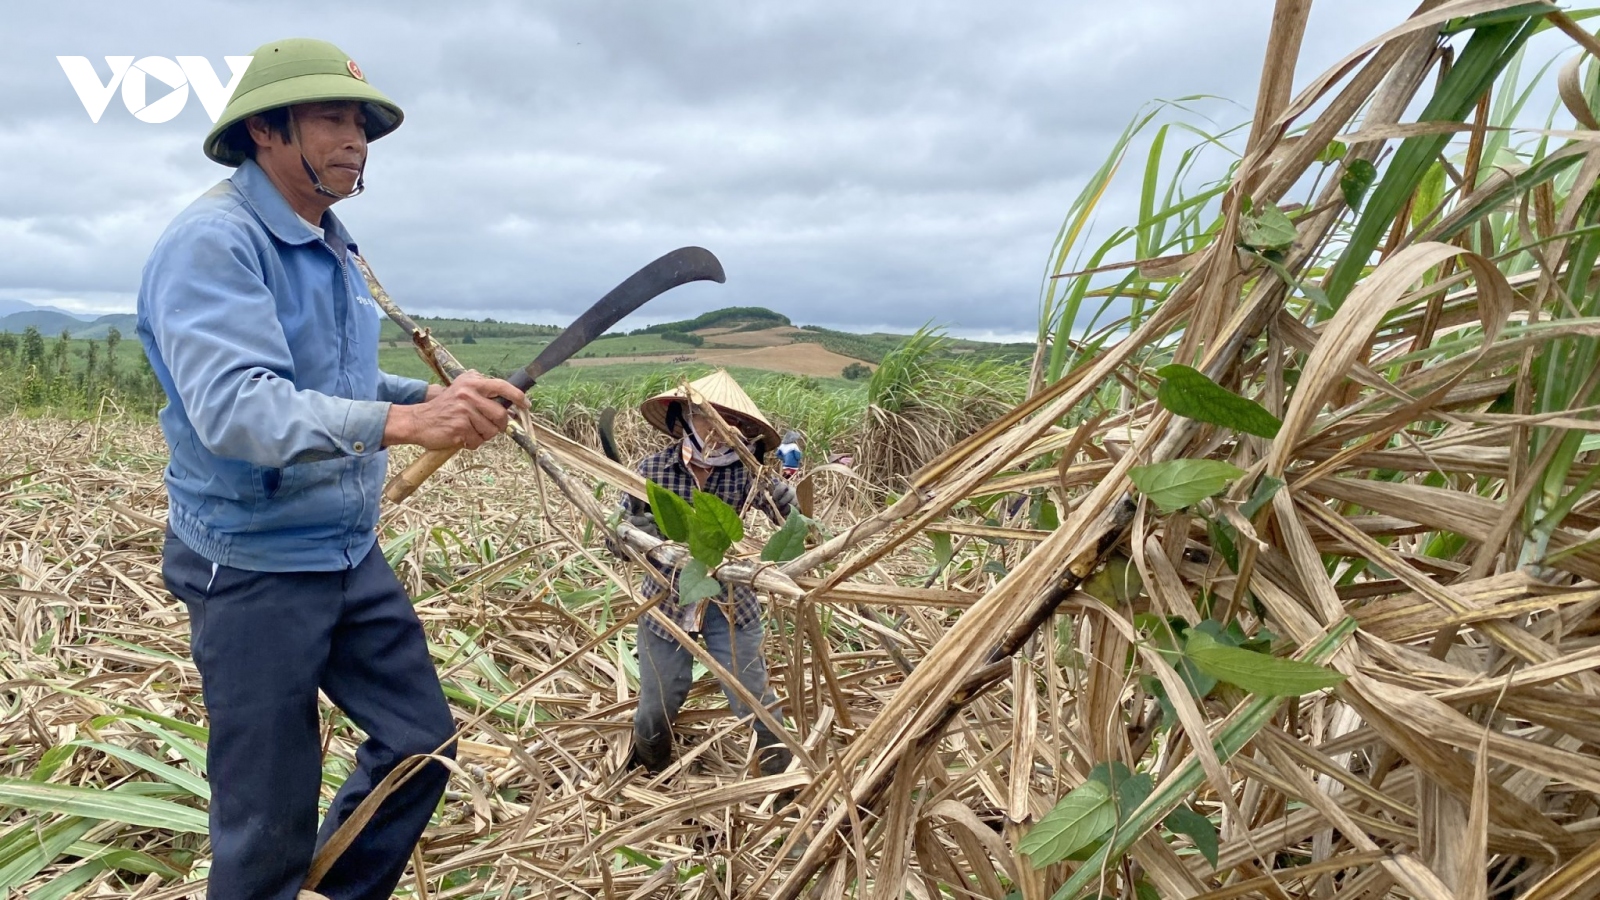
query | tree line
(75,374)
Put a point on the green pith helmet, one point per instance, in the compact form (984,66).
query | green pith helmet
(297,70)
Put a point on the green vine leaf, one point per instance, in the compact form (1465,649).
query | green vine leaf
(1177,483)
(789,541)
(1080,818)
(1189,393)
(671,511)
(695,583)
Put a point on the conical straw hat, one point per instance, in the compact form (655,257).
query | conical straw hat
(721,391)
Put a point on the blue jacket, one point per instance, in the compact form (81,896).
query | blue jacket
(265,338)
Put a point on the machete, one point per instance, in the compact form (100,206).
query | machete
(679,267)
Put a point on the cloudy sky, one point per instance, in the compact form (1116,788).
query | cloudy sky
(857,165)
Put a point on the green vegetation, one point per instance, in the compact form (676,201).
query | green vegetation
(871,348)
(922,400)
(856,371)
(450,331)
(72,376)
(683,337)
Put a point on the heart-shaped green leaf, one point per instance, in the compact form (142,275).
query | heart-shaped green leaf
(1268,228)
(695,583)
(671,511)
(789,541)
(1189,393)
(1080,818)
(1198,828)
(1177,483)
(1356,181)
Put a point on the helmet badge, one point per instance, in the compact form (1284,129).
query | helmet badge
(355,70)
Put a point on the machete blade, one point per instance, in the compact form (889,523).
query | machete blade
(681,266)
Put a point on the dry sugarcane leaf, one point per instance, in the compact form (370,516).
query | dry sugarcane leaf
(1346,334)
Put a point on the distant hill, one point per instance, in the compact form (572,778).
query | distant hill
(50,322)
(124,323)
(47,321)
(7,307)
(752,316)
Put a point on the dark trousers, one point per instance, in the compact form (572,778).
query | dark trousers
(264,643)
(666,672)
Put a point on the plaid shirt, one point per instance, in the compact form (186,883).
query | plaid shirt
(731,485)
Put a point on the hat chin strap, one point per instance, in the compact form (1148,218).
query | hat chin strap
(324,190)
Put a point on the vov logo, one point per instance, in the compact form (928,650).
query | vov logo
(134,79)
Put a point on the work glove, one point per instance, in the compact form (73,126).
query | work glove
(645,522)
(783,497)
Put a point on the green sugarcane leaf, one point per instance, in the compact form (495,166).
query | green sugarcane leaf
(695,583)
(671,511)
(1478,64)
(64,884)
(1077,821)
(1189,393)
(52,760)
(1238,730)
(1357,179)
(1177,483)
(32,845)
(192,752)
(789,541)
(189,781)
(134,861)
(1185,821)
(1258,673)
(92,803)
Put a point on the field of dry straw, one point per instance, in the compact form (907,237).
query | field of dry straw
(1314,613)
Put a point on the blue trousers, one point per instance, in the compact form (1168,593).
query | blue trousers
(666,672)
(265,642)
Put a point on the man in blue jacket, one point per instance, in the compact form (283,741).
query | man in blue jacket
(265,338)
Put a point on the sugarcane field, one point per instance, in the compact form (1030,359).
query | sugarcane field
(829,546)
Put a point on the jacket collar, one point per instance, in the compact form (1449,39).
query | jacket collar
(275,212)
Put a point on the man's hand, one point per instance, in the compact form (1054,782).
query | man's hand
(461,416)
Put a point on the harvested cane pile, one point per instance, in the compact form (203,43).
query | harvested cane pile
(1368,454)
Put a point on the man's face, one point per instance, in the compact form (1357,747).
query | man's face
(333,138)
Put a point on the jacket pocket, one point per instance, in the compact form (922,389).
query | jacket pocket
(271,482)
(306,476)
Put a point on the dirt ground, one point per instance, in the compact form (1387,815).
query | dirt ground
(797,359)
(766,337)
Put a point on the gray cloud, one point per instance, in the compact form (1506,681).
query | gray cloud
(860,165)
